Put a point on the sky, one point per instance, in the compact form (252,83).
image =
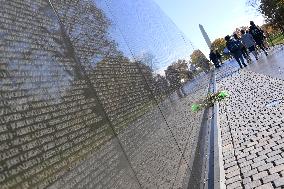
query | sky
(218,17)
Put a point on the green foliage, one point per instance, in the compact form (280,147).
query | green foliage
(210,100)
(273,10)
(196,107)
(276,39)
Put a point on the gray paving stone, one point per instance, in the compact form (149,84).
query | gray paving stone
(251,144)
(245,169)
(259,158)
(265,167)
(228,154)
(251,156)
(258,163)
(271,144)
(278,168)
(265,186)
(281,140)
(242,160)
(230,160)
(231,169)
(233,179)
(259,175)
(234,185)
(249,149)
(246,163)
(261,144)
(273,153)
(231,164)
(274,158)
(247,180)
(265,151)
(252,184)
(279,161)
(280,146)
(279,182)
(232,174)
(243,154)
(270,178)
(250,173)
(256,150)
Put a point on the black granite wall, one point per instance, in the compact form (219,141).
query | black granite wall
(83,98)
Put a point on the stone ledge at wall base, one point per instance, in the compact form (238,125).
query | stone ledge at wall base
(219,174)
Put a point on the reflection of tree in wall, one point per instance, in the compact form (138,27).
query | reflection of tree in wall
(52,99)
(162,85)
(177,73)
(173,77)
(117,80)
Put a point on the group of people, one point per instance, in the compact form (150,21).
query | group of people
(240,47)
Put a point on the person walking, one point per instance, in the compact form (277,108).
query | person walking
(235,48)
(258,36)
(219,56)
(248,41)
(213,57)
(243,48)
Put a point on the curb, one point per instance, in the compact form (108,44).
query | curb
(219,174)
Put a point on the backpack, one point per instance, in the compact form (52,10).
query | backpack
(233,46)
(256,32)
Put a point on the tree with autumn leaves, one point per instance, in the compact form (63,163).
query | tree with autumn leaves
(273,10)
(219,44)
(199,60)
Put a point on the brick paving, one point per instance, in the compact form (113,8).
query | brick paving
(252,130)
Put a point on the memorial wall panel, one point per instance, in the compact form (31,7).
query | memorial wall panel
(155,42)
(51,119)
(89,96)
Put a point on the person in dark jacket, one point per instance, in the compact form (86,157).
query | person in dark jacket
(219,56)
(258,36)
(235,49)
(243,48)
(213,57)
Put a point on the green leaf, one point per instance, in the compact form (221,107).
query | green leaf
(223,94)
(195,107)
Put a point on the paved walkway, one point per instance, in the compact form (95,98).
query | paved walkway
(252,123)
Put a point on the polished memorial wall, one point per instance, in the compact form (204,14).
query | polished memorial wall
(83,98)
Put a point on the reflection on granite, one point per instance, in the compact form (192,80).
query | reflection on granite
(81,102)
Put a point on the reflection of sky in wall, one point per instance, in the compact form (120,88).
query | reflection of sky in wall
(143,28)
